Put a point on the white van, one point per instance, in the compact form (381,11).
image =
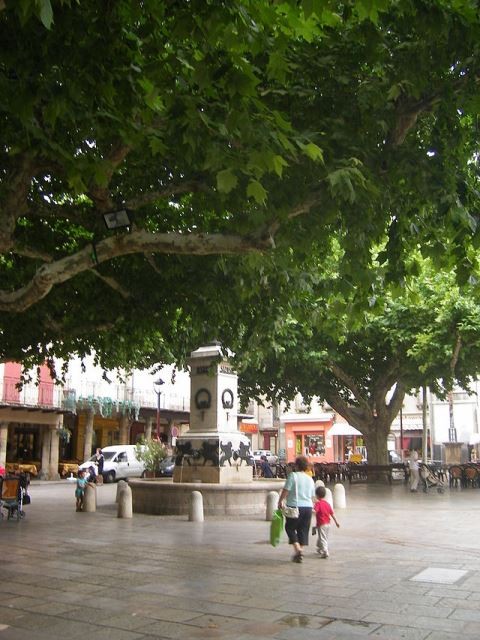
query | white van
(120,463)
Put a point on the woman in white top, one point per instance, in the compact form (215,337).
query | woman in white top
(299,491)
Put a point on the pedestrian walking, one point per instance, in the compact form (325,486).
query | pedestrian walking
(323,514)
(414,470)
(296,502)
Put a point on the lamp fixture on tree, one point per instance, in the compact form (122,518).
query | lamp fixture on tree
(117,219)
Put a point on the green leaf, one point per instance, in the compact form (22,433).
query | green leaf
(157,146)
(77,184)
(256,191)
(226,181)
(46,13)
(277,66)
(279,163)
(313,151)
(394,91)
(101,175)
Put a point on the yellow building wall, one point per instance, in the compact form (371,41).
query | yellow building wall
(106,433)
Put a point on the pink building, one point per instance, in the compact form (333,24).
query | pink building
(30,420)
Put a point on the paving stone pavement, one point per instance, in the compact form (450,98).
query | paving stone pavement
(67,575)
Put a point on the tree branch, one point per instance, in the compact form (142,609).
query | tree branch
(35,254)
(406,118)
(455,354)
(152,263)
(305,206)
(382,387)
(49,275)
(396,401)
(408,112)
(341,375)
(51,324)
(18,181)
(354,416)
(113,159)
(153,196)
(111,282)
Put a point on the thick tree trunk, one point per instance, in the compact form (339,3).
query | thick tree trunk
(373,419)
(376,436)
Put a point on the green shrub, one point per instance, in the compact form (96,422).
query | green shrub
(151,453)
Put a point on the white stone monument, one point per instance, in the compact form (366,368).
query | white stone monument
(213,450)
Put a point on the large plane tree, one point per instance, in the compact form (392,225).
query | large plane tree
(362,362)
(234,135)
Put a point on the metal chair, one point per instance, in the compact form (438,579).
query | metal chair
(455,475)
(471,476)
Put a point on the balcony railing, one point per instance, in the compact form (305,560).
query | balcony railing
(46,394)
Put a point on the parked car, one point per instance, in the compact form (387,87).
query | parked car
(271,457)
(166,466)
(394,457)
(120,462)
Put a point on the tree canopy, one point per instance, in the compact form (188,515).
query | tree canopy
(427,334)
(240,137)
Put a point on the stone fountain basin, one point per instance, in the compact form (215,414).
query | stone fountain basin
(163,497)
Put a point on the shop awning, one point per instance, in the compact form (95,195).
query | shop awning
(248,427)
(344,429)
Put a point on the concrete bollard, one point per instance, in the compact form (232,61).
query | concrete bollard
(319,483)
(120,485)
(339,500)
(195,513)
(272,503)
(329,497)
(90,498)
(125,509)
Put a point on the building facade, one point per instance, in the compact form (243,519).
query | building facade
(48,428)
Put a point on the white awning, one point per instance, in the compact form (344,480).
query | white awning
(344,429)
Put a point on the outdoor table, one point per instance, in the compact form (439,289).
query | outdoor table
(64,468)
(23,467)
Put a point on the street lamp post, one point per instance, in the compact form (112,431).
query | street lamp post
(157,385)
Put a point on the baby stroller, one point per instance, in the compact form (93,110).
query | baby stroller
(14,495)
(430,478)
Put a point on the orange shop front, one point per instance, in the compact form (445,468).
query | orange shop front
(250,429)
(308,436)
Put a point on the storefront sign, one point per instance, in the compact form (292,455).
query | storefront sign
(248,428)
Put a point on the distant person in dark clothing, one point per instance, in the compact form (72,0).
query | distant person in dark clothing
(265,468)
(100,459)
(91,476)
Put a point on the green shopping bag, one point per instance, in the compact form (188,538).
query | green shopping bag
(276,528)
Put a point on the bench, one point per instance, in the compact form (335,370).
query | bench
(370,472)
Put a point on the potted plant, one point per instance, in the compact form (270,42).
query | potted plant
(151,453)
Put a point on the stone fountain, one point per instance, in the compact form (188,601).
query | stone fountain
(213,457)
